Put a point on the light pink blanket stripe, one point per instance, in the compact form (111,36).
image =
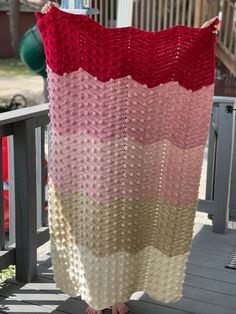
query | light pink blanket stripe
(90,169)
(148,110)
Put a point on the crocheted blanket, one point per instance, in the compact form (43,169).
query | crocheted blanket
(130,112)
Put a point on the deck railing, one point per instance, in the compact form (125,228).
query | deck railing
(25,130)
(226,51)
(220,198)
(227,37)
(154,15)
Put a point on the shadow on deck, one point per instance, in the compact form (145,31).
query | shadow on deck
(209,286)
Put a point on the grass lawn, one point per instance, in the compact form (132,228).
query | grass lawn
(14,67)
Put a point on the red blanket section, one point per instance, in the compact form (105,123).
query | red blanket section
(150,58)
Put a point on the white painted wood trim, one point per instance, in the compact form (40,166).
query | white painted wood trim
(124,13)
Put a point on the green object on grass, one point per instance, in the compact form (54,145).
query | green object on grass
(32,51)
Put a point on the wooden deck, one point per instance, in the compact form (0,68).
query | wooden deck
(209,288)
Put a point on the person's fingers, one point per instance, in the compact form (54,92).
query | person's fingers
(217,29)
(208,23)
(43,9)
(56,4)
(46,8)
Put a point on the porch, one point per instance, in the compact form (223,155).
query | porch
(209,287)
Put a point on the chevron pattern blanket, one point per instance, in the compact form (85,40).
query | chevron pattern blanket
(130,112)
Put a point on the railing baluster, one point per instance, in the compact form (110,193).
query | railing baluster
(226,25)
(106,13)
(183,11)
(232,33)
(159,14)
(154,13)
(221,32)
(190,7)
(142,14)
(211,154)
(25,195)
(11,179)
(43,173)
(101,12)
(165,14)
(148,13)
(2,234)
(136,11)
(96,7)
(38,176)
(112,13)
(177,11)
(171,12)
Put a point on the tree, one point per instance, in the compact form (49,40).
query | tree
(14,19)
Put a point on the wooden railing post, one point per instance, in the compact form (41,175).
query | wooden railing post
(223,167)
(19,125)
(25,196)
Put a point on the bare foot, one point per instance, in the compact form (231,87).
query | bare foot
(119,308)
(90,310)
(48,6)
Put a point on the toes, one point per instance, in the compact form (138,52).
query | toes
(90,310)
(127,309)
(124,309)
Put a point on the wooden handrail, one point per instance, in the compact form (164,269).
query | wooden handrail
(23,114)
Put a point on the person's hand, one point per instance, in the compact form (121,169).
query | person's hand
(48,6)
(211,21)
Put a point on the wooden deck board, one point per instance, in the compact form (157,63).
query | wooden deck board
(209,287)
